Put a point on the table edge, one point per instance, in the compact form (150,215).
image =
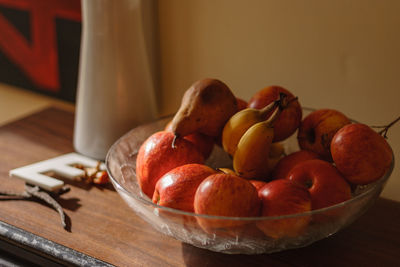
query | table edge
(45,248)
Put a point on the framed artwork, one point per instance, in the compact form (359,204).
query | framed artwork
(39,45)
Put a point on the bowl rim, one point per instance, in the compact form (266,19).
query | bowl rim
(118,186)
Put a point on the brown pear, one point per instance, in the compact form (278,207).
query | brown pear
(206,106)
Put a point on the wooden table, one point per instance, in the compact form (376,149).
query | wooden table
(105,231)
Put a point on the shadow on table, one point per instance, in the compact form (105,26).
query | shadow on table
(194,257)
(372,240)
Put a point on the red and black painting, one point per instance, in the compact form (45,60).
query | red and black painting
(39,45)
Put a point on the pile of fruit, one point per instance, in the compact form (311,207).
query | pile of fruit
(335,155)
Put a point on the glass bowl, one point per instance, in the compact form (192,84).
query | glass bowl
(234,235)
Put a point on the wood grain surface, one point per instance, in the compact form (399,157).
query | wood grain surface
(104,227)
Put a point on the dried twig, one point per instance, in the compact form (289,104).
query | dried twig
(34,193)
(385,128)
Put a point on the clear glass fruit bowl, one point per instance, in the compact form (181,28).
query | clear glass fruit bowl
(234,235)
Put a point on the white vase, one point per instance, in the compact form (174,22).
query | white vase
(117,72)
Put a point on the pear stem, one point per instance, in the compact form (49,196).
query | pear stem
(385,129)
(267,109)
(282,103)
(174,140)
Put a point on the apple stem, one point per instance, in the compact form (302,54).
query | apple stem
(385,129)
(292,100)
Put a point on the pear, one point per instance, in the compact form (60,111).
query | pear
(250,160)
(239,123)
(206,106)
(253,158)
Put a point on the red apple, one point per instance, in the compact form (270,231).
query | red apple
(177,187)
(286,163)
(225,195)
(317,130)
(326,185)
(283,197)
(258,185)
(241,104)
(290,118)
(203,143)
(361,154)
(156,157)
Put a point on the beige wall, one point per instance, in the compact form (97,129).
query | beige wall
(342,54)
